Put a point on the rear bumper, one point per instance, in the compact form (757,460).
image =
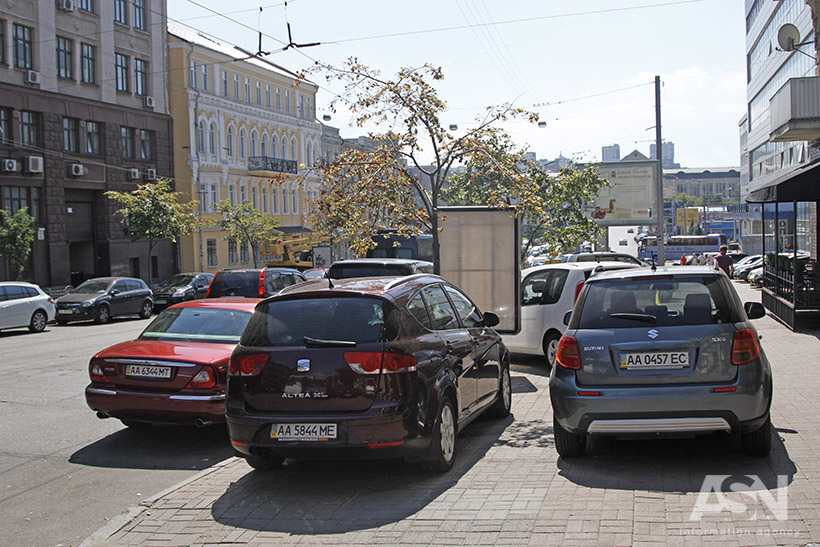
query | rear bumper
(156,407)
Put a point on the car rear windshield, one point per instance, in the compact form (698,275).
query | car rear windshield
(662,302)
(346,271)
(215,325)
(288,322)
(239,283)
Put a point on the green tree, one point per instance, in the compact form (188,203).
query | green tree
(245,223)
(16,237)
(365,191)
(153,212)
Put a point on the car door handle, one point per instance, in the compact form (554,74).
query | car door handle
(448,347)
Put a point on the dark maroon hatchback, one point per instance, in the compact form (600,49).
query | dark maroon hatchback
(365,367)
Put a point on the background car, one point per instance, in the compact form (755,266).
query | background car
(375,367)
(181,287)
(755,277)
(175,371)
(601,256)
(102,298)
(741,271)
(548,292)
(314,273)
(253,283)
(651,352)
(377,267)
(24,305)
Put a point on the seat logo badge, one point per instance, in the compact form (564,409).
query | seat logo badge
(653,334)
(303,365)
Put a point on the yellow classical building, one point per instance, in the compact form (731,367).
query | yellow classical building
(239,121)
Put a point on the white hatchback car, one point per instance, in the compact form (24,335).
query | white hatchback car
(24,305)
(548,292)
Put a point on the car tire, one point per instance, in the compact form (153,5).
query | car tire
(550,346)
(264,463)
(568,445)
(103,314)
(147,308)
(39,319)
(503,403)
(443,444)
(758,442)
(135,424)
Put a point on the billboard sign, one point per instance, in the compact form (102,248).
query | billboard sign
(630,199)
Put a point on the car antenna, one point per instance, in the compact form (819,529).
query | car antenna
(330,283)
(654,266)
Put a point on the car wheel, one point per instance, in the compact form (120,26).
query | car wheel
(568,445)
(147,308)
(38,321)
(759,441)
(551,347)
(501,406)
(264,463)
(443,445)
(134,424)
(103,314)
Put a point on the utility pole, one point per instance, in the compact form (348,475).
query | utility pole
(659,185)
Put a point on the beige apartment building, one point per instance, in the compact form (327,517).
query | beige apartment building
(240,123)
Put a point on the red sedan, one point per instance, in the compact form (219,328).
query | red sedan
(176,371)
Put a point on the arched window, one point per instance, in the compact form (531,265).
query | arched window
(242,143)
(293,155)
(212,138)
(229,141)
(274,198)
(253,142)
(307,154)
(274,140)
(200,137)
(285,148)
(264,150)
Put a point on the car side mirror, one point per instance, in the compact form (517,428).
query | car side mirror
(491,319)
(567,317)
(539,286)
(754,310)
(114,292)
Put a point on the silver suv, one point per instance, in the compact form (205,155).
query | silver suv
(661,351)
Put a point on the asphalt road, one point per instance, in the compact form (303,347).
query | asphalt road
(63,471)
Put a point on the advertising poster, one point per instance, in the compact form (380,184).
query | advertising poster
(630,199)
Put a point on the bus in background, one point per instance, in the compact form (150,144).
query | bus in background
(391,245)
(677,246)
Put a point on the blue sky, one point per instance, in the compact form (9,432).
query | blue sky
(564,60)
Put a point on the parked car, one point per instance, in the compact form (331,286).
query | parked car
(547,293)
(253,283)
(24,305)
(382,367)
(102,298)
(377,267)
(180,288)
(602,256)
(666,351)
(175,371)
(741,271)
(315,273)
(755,277)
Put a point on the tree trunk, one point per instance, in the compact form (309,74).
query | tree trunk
(434,191)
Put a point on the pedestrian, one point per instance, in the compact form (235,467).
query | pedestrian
(683,260)
(695,259)
(702,260)
(724,261)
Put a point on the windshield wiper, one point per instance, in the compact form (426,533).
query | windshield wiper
(319,343)
(635,317)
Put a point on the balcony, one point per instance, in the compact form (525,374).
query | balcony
(276,165)
(795,111)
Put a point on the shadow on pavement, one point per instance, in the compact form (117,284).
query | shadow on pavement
(158,447)
(330,497)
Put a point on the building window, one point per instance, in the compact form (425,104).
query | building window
(285,148)
(211,253)
(146,144)
(264,146)
(232,255)
(244,257)
(22,46)
(309,110)
(274,200)
(92,137)
(140,77)
(65,54)
(5,126)
(29,128)
(119,11)
(284,200)
(301,113)
(236,86)
(268,98)
(86,5)
(278,100)
(17,197)
(139,14)
(200,137)
(88,54)
(214,196)
(264,199)
(205,83)
(295,205)
(259,93)
(253,142)
(247,90)
(242,143)
(232,194)
(243,194)
(127,142)
(229,142)
(2,42)
(212,138)
(192,75)
(293,150)
(273,142)
(70,135)
(254,200)
(287,101)
(121,71)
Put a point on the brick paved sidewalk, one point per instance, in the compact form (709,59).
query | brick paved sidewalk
(508,486)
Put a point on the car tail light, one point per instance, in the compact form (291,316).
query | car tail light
(95,370)
(210,284)
(745,347)
(373,362)
(50,300)
(204,379)
(578,289)
(247,365)
(261,283)
(568,355)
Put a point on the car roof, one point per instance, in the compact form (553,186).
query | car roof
(583,266)
(257,270)
(381,261)
(661,271)
(390,287)
(228,303)
(15,283)
(111,279)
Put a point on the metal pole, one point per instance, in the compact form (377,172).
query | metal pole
(659,184)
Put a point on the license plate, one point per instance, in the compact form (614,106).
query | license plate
(160,300)
(147,371)
(655,360)
(65,312)
(303,432)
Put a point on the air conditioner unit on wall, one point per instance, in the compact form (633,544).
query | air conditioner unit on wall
(33,77)
(34,164)
(8,166)
(133,174)
(76,170)
(150,174)
(149,102)
(66,5)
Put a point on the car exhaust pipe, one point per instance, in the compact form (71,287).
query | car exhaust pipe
(101,415)
(199,422)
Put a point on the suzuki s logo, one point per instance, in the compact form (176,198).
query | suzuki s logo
(303,365)
(653,334)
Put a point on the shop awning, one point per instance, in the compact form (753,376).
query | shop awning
(801,183)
